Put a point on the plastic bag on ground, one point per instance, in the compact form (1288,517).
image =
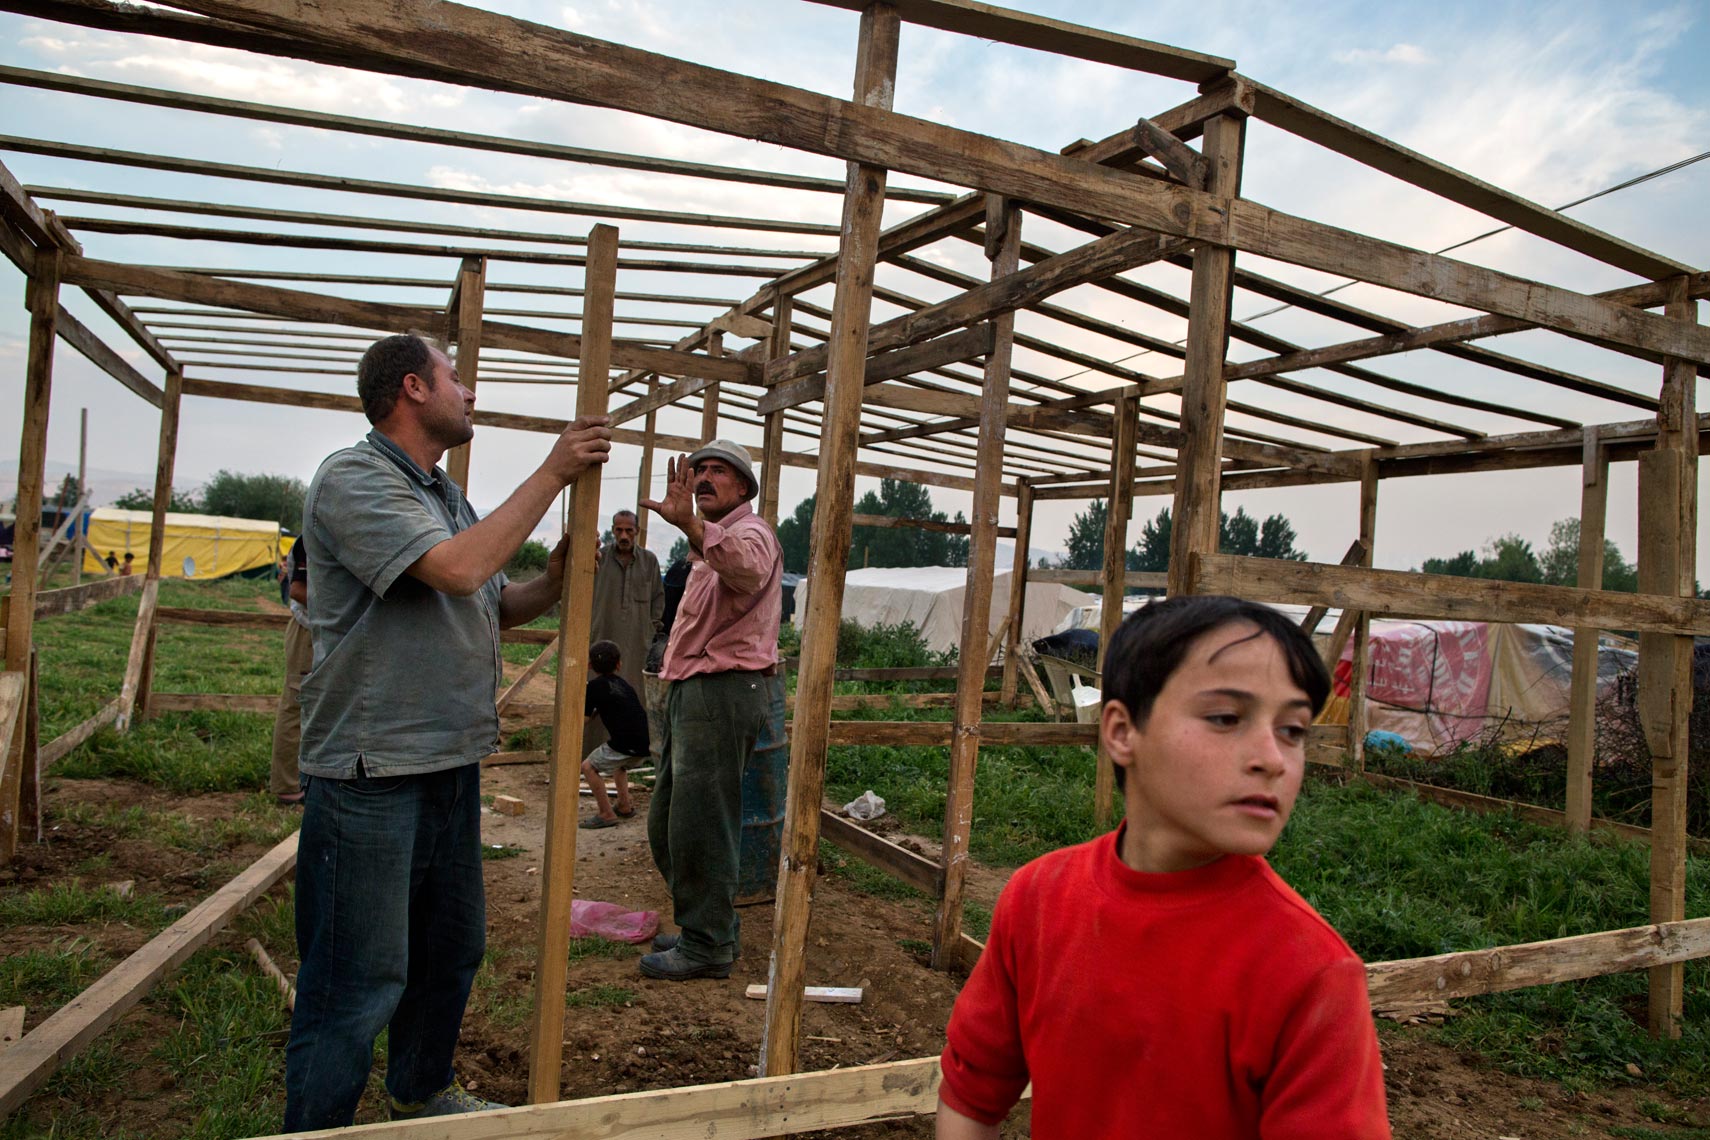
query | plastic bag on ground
(865,806)
(611,921)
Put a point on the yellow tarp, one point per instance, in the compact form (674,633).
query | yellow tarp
(196,546)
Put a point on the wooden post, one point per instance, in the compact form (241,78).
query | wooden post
(1115,584)
(576,618)
(1196,513)
(846,367)
(1017,589)
(644,476)
(1668,480)
(710,394)
(1582,700)
(82,496)
(772,451)
(471,300)
(1003,246)
(139,666)
(1361,662)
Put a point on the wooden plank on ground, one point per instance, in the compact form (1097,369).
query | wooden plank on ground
(1131,579)
(1443,977)
(1401,593)
(70,599)
(11,1027)
(212,702)
(731,1110)
(510,694)
(936,733)
(60,747)
(899,862)
(839,995)
(236,619)
(69,1029)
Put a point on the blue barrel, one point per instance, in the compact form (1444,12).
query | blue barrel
(765,784)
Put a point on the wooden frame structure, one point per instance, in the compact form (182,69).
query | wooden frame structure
(879,395)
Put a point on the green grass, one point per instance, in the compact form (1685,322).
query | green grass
(593,946)
(71,903)
(39,979)
(492,851)
(258,820)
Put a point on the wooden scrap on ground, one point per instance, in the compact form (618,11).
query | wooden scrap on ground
(11,1027)
(286,989)
(509,805)
(846,995)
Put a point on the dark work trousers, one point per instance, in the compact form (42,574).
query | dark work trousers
(391,925)
(694,823)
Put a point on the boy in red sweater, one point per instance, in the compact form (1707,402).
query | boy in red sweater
(1162,980)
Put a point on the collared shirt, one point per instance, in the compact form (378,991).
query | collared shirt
(728,618)
(404,676)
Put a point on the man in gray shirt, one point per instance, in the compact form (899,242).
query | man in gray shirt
(398,712)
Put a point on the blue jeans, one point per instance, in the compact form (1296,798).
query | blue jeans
(391,926)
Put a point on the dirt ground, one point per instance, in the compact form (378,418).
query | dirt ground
(643,1034)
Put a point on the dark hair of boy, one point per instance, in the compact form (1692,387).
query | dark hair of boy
(603,657)
(1151,643)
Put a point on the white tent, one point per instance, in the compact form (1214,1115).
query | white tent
(932,597)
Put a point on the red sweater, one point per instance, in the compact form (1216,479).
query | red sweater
(1208,1004)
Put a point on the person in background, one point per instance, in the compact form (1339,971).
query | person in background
(611,699)
(629,603)
(283,779)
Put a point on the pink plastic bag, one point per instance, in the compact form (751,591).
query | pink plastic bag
(609,920)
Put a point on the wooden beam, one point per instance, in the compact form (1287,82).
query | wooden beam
(471,46)
(1445,977)
(917,871)
(62,745)
(1019,573)
(411,132)
(133,693)
(950,348)
(1359,715)
(546,654)
(1195,517)
(576,615)
(1024,29)
(937,733)
(345,185)
(470,298)
(730,1110)
(845,365)
(181,286)
(1582,694)
(1401,593)
(258,703)
(1131,579)
(78,335)
(1003,248)
(1398,161)
(891,522)
(41,297)
(14,750)
(1113,585)
(74,1025)
(772,449)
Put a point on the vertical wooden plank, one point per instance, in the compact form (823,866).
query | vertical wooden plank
(1003,238)
(82,496)
(139,667)
(644,480)
(1195,513)
(41,296)
(1582,698)
(710,394)
(1017,589)
(846,365)
(1668,522)
(30,760)
(772,451)
(1115,577)
(1358,719)
(576,619)
(471,302)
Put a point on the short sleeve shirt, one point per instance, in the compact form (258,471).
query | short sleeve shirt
(619,709)
(404,676)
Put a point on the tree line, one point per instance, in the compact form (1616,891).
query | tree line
(270,498)
(1240,533)
(1510,558)
(881,546)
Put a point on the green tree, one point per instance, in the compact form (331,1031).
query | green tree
(1560,560)
(1239,533)
(275,498)
(1462,565)
(679,551)
(1085,547)
(142,499)
(1152,553)
(956,553)
(899,546)
(1276,540)
(529,560)
(795,534)
(1510,558)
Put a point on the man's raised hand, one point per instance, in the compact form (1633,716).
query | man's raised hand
(678,506)
(585,442)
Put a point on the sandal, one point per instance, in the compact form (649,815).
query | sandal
(595,822)
(624,814)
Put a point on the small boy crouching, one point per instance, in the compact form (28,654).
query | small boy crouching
(1162,980)
(613,700)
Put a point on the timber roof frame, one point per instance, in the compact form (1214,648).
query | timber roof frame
(1147,173)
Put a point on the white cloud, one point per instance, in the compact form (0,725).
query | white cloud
(1400,53)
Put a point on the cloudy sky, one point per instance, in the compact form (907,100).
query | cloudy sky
(1553,101)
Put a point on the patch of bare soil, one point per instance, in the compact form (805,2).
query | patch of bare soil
(625,1032)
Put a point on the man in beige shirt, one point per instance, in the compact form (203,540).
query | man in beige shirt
(629,607)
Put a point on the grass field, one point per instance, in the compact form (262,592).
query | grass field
(1398,877)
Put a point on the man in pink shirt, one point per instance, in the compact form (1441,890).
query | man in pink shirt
(723,644)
